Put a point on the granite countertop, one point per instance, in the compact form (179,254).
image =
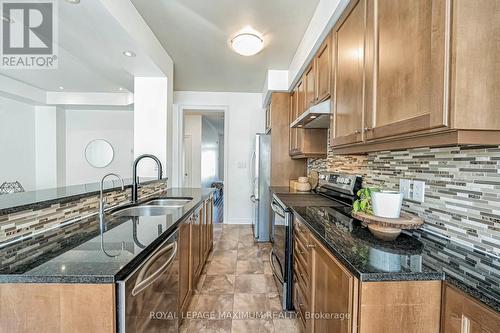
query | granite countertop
(419,255)
(73,254)
(39,199)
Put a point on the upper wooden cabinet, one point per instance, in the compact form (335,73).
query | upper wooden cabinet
(349,103)
(408,72)
(301,98)
(310,85)
(323,61)
(461,314)
(415,74)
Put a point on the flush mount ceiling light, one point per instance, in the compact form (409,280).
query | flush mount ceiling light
(129,54)
(247,44)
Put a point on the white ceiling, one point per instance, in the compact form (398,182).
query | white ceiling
(91,43)
(196,32)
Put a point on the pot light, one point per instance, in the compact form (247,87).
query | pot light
(129,54)
(73,2)
(247,44)
(121,89)
(61,88)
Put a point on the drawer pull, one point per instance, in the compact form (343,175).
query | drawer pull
(310,246)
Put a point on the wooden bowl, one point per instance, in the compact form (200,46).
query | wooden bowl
(388,229)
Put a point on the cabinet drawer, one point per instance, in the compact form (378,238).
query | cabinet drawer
(300,303)
(300,251)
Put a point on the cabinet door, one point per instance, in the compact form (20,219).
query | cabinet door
(324,70)
(301,98)
(195,247)
(461,314)
(184,271)
(310,85)
(332,291)
(292,116)
(349,77)
(409,39)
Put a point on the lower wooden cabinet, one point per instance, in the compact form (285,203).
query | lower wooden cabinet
(328,298)
(462,314)
(185,287)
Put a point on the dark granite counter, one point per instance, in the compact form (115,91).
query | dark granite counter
(418,255)
(73,254)
(15,202)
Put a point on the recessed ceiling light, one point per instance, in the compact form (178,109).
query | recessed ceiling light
(61,88)
(74,2)
(129,54)
(121,89)
(247,44)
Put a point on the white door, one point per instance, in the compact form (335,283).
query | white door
(187,157)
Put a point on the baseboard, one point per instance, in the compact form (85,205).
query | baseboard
(238,221)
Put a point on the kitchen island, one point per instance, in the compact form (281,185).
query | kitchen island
(69,274)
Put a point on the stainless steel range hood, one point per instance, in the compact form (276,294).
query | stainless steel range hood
(317,116)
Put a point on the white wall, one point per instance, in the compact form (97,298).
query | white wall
(209,153)
(244,117)
(193,128)
(151,135)
(17,143)
(83,126)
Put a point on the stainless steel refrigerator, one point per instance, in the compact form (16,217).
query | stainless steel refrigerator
(260,179)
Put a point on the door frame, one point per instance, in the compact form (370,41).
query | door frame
(184,155)
(179,111)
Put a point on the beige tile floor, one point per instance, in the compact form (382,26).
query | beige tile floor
(236,291)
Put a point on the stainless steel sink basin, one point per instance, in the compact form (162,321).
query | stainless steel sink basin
(144,210)
(170,202)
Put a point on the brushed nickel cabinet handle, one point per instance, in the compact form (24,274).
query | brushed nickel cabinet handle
(310,246)
(368,129)
(357,131)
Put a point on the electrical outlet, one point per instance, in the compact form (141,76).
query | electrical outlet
(404,187)
(418,191)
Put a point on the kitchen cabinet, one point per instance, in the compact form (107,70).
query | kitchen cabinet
(332,290)
(323,61)
(185,287)
(310,85)
(208,228)
(301,98)
(304,143)
(409,92)
(349,103)
(196,245)
(323,285)
(268,118)
(462,314)
(439,87)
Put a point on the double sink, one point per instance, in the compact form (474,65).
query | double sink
(152,207)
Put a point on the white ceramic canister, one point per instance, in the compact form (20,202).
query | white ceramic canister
(387,204)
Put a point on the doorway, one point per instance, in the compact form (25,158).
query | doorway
(203,154)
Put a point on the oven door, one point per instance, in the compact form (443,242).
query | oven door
(280,256)
(148,298)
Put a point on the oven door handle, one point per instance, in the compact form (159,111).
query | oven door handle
(141,282)
(278,210)
(273,268)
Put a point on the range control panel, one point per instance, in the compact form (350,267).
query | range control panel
(345,183)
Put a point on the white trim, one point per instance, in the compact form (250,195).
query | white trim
(176,168)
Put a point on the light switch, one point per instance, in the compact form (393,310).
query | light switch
(404,187)
(418,191)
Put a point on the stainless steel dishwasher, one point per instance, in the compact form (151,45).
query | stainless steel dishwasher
(148,297)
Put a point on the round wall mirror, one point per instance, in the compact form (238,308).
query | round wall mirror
(99,153)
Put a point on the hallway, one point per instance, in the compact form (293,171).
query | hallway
(236,292)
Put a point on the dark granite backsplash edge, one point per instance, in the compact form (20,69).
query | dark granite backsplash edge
(51,199)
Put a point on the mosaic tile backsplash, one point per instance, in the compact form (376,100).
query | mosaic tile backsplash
(462,187)
(24,223)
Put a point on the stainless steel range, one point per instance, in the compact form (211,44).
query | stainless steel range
(334,190)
